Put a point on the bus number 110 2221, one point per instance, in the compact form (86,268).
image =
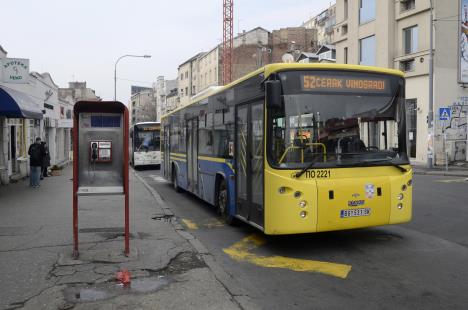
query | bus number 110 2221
(317,174)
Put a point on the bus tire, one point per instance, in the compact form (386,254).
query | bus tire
(222,202)
(175,180)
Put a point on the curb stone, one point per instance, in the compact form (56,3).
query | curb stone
(226,280)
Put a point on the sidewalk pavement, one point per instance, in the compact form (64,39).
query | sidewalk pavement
(453,170)
(170,269)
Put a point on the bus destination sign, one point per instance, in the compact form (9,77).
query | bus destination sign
(330,83)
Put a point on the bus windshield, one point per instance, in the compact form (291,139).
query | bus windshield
(146,139)
(338,119)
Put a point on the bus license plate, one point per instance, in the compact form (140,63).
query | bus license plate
(355,212)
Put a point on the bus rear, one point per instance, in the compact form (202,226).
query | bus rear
(336,151)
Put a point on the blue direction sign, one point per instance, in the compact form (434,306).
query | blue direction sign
(445,114)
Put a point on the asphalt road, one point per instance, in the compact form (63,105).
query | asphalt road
(419,265)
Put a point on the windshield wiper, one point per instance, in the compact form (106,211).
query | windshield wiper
(309,166)
(401,168)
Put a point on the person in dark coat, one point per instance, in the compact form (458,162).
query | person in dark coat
(46,161)
(36,158)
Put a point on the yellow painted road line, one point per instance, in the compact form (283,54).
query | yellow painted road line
(190,225)
(240,251)
(178,154)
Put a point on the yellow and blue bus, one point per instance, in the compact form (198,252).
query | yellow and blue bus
(297,148)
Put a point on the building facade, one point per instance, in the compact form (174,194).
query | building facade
(30,107)
(395,34)
(324,23)
(162,88)
(187,79)
(292,41)
(142,107)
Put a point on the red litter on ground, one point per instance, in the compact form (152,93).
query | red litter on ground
(123,276)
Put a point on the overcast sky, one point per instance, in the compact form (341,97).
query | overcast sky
(80,40)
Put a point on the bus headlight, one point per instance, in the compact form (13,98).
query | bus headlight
(400,206)
(297,194)
(410,182)
(303,204)
(282,190)
(303,214)
(400,196)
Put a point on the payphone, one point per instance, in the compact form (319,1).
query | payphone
(100,166)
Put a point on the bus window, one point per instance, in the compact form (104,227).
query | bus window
(336,128)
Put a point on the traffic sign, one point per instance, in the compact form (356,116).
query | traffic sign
(445,114)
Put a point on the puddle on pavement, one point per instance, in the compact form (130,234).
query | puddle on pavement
(148,285)
(79,294)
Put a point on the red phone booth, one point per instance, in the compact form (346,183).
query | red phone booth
(100,150)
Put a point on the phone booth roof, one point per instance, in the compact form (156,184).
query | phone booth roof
(99,106)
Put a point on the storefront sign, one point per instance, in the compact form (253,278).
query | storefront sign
(14,70)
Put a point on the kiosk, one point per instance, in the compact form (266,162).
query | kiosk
(100,148)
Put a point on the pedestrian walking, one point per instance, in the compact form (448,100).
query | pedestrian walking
(36,158)
(46,161)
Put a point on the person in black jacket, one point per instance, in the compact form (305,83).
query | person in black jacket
(46,161)
(36,158)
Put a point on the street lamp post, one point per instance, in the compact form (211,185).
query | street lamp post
(430,116)
(115,70)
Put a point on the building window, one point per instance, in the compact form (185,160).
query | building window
(344,30)
(367,51)
(345,4)
(181,76)
(407,65)
(186,91)
(410,37)
(345,55)
(186,74)
(366,11)
(406,5)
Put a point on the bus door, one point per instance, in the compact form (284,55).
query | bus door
(167,152)
(249,162)
(192,155)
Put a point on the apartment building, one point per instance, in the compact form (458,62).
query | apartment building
(187,76)
(209,73)
(142,107)
(324,23)
(395,34)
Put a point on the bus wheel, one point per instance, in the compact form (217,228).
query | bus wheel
(175,180)
(222,203)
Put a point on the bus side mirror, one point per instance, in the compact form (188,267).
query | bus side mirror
(273,94)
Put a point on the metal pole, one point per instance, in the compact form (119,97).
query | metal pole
(430,116)
(115,70)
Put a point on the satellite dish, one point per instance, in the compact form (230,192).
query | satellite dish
(287,58)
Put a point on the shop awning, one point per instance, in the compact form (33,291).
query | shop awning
(16,104)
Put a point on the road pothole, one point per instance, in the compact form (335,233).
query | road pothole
(158,279)
(163,217)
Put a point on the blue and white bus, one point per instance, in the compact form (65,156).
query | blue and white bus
(145,144)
